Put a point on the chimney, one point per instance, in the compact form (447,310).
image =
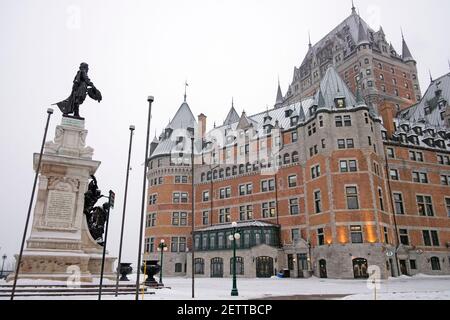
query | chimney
(387,110)
(201,125)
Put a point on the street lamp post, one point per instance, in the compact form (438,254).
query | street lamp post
(233,237)
(3,264)
(161,247)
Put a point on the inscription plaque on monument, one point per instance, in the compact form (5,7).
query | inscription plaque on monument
(60,208)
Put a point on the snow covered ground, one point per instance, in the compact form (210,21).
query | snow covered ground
(419,287)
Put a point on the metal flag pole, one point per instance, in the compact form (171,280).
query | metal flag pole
(111,199)
(49,113)
(124,209)
(150,99)
(193,218)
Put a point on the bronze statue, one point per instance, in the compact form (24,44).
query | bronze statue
(95,216)
(82,86)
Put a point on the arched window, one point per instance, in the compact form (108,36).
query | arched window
(287,158)
(248,167)
(215,174)
(199,266)
(295,157)
(435,264)
(216,267)
(203,177)
(239,266)
(208,176)
(228,171)
(234,171)
(221,173)
(241,169)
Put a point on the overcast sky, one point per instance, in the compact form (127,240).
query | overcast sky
(137,48)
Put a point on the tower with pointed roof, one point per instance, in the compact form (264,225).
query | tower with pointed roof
(360,55)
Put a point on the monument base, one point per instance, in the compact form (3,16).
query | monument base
(63,266)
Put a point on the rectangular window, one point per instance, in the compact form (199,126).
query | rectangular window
(398,202)
(174,244)
(394,174)
(343,165)
(246,212)
(347,121)
(380,198)
(356,234)
(386,235)
(443,159)
(338,121)
(268,209)
(390,153)
(352,198)
(224,215)
(292,181)
(445,180)
(205,196)
(404,237)
(341,144)
(182,244)
(412,264)
(183,218)
(425,205)
(152,199)
(294,136)
(293,206)
(267,185)
(205,218)
(175,218)
(320,237)
(295,235)
(350,144)
(447,204)
(315,172)
(317,202)
(420,177)
(416,156)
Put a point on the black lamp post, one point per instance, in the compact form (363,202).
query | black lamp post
(233,237)
(161,247)
(3,264)
(38,168)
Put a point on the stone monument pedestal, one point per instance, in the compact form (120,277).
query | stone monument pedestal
(60,246)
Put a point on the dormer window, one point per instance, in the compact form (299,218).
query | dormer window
(312,110)
(294,121)
(418,130)
(287,113)
(267,129)
(339,102)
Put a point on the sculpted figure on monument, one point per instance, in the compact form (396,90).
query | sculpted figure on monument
(97,223)
(95,216)
(82,86)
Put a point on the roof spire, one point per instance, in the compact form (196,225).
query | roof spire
(309,39)
(185,85)
(406,53)
(279,99)
(353,8)
(431,77)
(362,34)
(232,102)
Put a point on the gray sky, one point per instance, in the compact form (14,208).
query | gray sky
(139,48)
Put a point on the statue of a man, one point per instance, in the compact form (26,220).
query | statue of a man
(82,86)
